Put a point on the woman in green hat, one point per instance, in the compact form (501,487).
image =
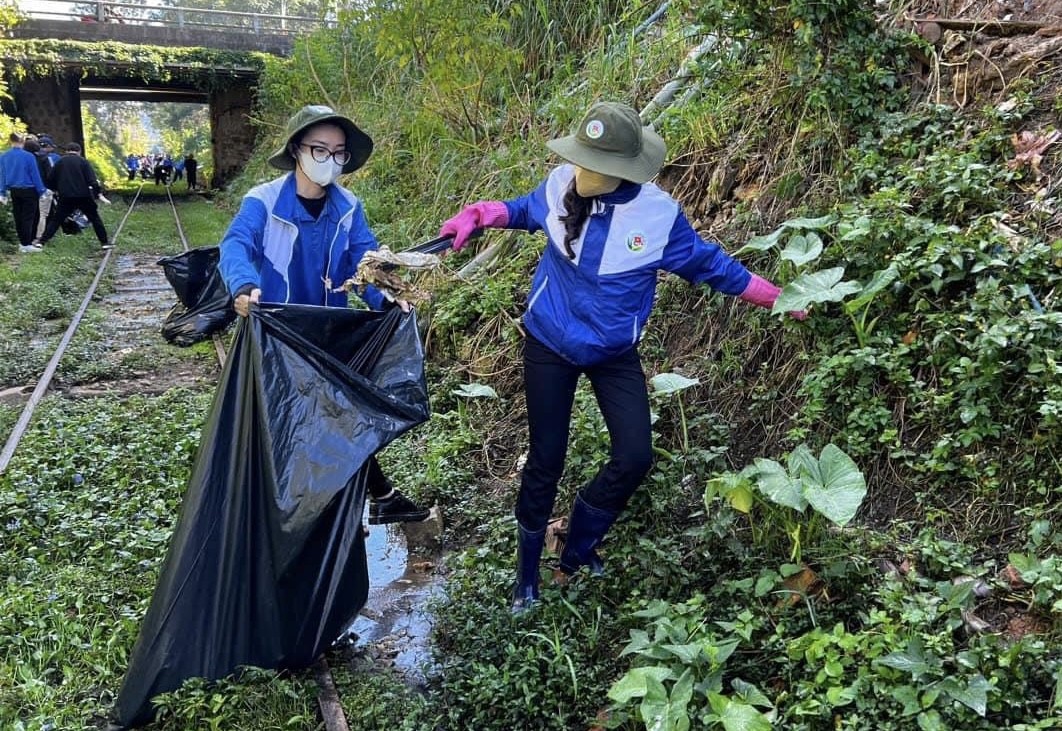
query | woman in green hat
(296,238)
(609,232)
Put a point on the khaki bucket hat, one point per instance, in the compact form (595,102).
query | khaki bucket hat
(611,140)
(359,143)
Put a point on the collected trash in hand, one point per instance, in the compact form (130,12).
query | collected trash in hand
(379,268)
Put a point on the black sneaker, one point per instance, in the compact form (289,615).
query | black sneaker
(396,509)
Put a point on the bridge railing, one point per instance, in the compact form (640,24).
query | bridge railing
(189,19)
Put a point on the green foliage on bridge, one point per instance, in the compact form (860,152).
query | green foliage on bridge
(204,68)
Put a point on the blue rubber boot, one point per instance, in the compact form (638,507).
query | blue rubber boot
(528,556)
(587,525)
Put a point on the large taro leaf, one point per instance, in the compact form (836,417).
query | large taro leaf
(821,286)
(881,279)
(769,241)
(818,223)
(803,248)
(663,713)
(664,383)
(841,488)
(738,716)
(635,684)
(777,486)
(761,243)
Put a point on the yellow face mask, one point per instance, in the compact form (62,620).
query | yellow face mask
(589,184)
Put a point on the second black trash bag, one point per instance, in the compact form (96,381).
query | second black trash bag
(75,223)
(267,563)
(204,306)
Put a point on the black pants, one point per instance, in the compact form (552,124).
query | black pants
(68,205)
(622,396)
(377,481)
(25,209)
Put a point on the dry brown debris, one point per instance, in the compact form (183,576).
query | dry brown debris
(1029,149)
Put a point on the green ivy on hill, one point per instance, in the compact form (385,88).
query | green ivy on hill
(206,68)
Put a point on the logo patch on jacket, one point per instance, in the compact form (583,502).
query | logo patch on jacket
(636,241)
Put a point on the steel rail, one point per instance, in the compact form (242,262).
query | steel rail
(46,378)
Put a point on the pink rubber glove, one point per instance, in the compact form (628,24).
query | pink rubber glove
(484,214)
(762,293)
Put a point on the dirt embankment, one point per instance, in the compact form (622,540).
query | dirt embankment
(980,48)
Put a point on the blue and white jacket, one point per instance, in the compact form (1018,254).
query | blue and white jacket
(275,245)
(595,307)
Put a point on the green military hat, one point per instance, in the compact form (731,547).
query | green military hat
(611,140)
(359,144)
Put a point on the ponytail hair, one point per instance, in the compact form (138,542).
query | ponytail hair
(577,211)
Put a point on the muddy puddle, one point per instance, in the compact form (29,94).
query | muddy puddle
(394,626)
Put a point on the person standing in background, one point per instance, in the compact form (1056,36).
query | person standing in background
(20,179)
(159,171)
(46,159)
(191,166)
(78,188)
(167,169)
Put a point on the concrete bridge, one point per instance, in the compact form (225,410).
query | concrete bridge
(52,103)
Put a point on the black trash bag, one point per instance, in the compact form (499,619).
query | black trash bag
(75,223)
(267,563)
(204,305)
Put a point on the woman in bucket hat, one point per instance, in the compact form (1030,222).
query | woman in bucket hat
(297,234)
(609,233)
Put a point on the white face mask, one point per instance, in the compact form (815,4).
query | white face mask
(589,184)
(322,173)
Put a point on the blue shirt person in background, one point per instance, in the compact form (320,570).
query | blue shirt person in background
(20,180)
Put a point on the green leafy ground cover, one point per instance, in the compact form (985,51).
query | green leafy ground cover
(736,597)
(89,499)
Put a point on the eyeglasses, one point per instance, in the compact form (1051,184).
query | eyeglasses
(321,154)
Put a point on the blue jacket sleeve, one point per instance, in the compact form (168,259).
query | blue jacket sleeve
(528,212)
(361,239)
(241,246)
(702,262)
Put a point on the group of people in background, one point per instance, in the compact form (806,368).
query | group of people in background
(46,188)
(163,168)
